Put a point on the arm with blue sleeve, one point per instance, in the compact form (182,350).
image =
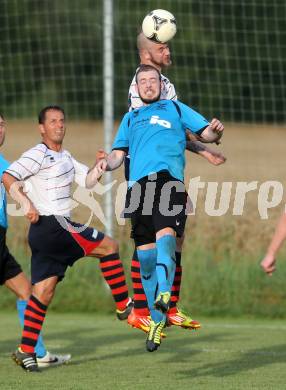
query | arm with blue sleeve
(199,126)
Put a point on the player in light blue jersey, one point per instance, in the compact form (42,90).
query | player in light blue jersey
(143,129)
(155,136)
(11,274)
(159,56)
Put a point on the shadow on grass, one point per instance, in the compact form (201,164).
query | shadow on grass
(170,346)
(92,343)
(246,361)
(76,340)
(84,343)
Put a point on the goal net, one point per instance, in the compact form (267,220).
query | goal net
(229,56)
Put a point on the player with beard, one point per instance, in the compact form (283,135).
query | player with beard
(155,137)
(159,56)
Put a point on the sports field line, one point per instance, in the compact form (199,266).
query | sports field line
(249,352)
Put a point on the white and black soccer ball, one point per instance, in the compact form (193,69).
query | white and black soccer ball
(159,26)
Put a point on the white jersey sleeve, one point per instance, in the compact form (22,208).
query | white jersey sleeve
(81,171)
(168,92)
(48,176)
(29,163)
(134,100)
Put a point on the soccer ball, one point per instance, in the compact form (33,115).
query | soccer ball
(159,26)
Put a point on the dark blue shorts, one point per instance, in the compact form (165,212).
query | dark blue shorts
(57,243)
(9,268)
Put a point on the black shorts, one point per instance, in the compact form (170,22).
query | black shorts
(9,268)
(162,204)
(57,243)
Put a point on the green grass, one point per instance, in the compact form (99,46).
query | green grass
(224,354)
(214,284)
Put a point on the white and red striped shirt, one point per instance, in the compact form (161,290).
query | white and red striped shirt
(48,177)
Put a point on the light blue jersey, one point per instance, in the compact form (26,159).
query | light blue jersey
(3,215)
(155,137)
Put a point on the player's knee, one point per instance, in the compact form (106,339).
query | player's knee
(108,246)
(24,294)
(20,285)
(166,247)
(113,246)
(26,291)
(147,259)
(45,297)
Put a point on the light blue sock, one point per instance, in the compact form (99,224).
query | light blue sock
(147,259)
(166,262)
(40,348)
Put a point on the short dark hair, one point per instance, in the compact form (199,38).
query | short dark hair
(42,114)
(146,68)
(2,116)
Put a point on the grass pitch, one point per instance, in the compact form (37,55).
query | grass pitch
(107,354)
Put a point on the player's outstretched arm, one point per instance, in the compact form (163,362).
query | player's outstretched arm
(100,154)
(268,263)
(107,163)
(212,156)
(94,174)
(15,188)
